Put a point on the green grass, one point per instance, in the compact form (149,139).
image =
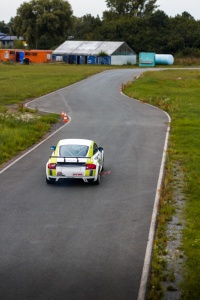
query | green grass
(17,134)
(177,92)
(166,210)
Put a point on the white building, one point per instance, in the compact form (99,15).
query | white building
(95,52)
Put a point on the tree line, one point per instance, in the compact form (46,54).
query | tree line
(45,24)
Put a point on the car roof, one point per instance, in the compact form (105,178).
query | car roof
(75,142)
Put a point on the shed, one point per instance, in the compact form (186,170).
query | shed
(89,52)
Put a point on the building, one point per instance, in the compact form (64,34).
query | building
(7,41)
(95,52)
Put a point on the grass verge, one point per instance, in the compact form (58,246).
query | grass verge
(177,92)
(18,131)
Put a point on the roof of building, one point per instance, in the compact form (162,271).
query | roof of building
(2,35)
(5,37)
(94,48)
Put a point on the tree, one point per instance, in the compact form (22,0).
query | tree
(19,44)
(184,27)
(43,23)
(85,27)
(136,8)
(3,27)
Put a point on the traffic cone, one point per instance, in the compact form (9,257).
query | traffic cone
(65,120)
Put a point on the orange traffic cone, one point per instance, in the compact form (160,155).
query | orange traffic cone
(65,120)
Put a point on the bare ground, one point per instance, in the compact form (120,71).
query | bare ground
(175,256)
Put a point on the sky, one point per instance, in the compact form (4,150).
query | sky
(80,8)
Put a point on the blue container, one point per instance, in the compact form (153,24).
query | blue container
(81,59)
(21,56)
(146,59)
(65,58)
(104,60)
(164,59)
(91,60)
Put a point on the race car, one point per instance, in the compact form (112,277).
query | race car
(75,158)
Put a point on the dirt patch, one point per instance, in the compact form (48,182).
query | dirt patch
(175,257)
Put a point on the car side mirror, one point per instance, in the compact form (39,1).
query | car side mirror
(100,148)
(53,148)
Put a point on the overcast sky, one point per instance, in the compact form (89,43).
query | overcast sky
(96,7)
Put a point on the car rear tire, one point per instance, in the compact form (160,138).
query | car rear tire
(50,181)
(96,182)
(102,166)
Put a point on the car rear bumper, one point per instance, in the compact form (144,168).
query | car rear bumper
(85,178)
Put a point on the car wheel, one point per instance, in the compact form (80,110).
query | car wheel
(96,182)
(90,180)
(50,181)
(102,168)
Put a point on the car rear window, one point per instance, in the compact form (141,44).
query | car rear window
(73,150)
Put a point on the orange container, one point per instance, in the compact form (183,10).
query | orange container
(34,56)
(38,56)
(7,55)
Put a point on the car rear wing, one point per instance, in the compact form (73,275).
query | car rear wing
(70,159)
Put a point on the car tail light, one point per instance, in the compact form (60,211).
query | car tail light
(51,166)
(90,167)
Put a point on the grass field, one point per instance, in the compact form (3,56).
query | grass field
(177,92)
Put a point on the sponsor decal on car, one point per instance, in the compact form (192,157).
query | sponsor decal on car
(60,174)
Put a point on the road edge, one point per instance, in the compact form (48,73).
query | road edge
(149,248)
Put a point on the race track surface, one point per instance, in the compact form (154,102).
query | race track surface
(72,240)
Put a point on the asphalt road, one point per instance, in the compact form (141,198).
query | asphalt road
(73,240)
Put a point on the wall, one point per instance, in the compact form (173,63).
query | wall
(123,59)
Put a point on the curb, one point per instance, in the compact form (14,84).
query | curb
(148,255)
(149,248)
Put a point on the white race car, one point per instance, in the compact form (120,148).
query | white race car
(75,158)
